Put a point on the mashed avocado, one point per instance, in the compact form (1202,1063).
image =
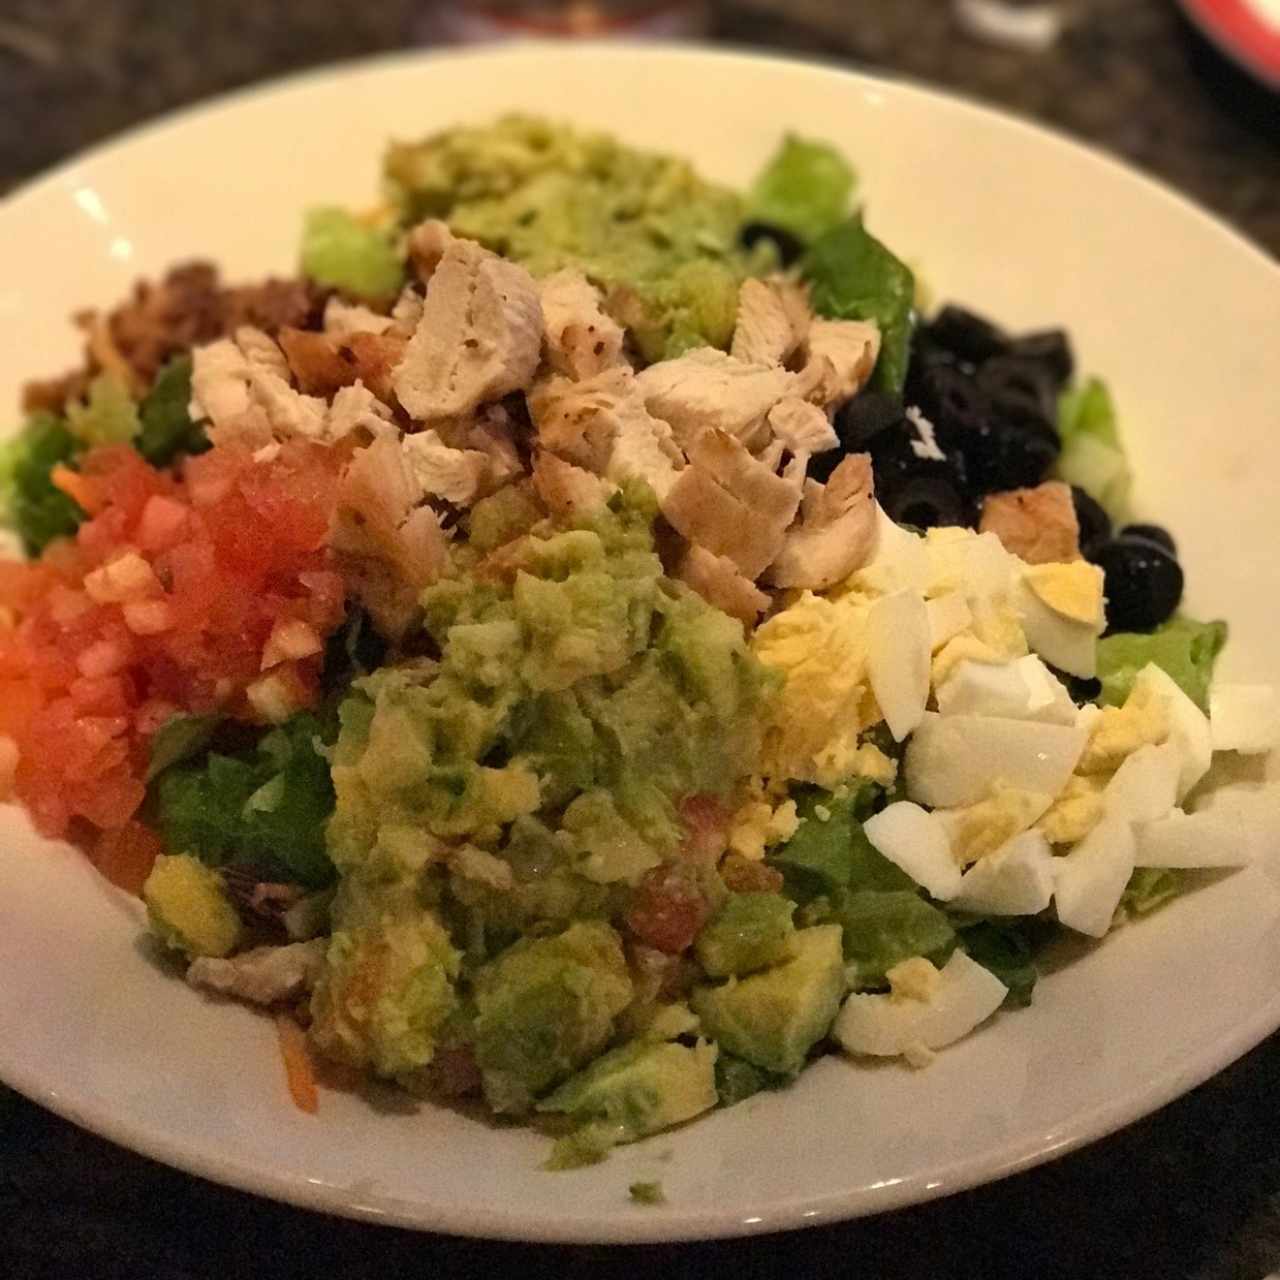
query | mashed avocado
(659,240)
(580,695)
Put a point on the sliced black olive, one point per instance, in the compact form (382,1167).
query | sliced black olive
(1021,392)
(1152,533)
(1143,583)
(1051,350)
(920,491)
(966,335)
(790,247)
(1095,524)
(1082,690)
(998,453)
(864,417)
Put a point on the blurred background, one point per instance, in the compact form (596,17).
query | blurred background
(1134,76)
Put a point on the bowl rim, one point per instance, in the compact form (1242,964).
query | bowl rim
(1084,1126)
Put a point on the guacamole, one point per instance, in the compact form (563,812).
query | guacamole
(659,240)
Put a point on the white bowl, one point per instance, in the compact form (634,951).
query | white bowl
(1179,312)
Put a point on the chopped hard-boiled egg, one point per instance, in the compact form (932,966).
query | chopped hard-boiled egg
(913,979)
(979,829)
(1024,689)
(915,841)
(966,995)
(1188,726)
(975,564)
(1205,839)
(898,563)
(1015,880)
(1089,881)
(1145,786)
(958,760)
(898,650)
(1244,717)
(1076,811)
(1115,733)
(1061,610)
(949,615)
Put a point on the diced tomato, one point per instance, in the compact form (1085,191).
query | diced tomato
(220,555)
(667,908)
(126,855)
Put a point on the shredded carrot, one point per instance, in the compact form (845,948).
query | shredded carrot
(299,1070)
(77,487)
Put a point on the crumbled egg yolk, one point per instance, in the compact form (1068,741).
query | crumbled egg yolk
(983,827)
(914,979)
(819,646)
(1119,732)
(1076,811)
(1072,590)
(758,825)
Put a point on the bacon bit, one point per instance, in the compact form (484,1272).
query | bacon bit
(707,825)
(743,875)
(80,489)
(299,1070)
(125,856)
(668,909)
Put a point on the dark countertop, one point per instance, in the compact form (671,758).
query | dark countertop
(1193,1191)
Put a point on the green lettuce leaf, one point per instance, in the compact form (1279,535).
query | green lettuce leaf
(1093,456)
(108,414)
(831,852)
(264,807)
(804,189)
(167,430)
(1152,887)
(34,508)
(882,929)
(852,276)
(1184,649)
(344,253)
(1007,948)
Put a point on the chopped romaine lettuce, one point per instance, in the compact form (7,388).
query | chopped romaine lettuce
(1152,887)
(882,928)
(341,251)
(852,276)
(829,850)
(108,414)
(34,508)
(265,807)
(737,1079)
(179,739)
(804,189)
(1092,455)
(1007,948)
(167,429)
(1183,648)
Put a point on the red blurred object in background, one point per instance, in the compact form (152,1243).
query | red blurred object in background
(476,20)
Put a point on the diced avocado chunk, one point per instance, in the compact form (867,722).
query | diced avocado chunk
(881,929)
(633,1091)
(773,1019)
(188,907)
(737,1079)
(544,1008)
(751,931)
(386,989)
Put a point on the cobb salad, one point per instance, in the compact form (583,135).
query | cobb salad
(595,640)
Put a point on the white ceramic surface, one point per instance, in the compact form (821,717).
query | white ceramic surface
(1182,316)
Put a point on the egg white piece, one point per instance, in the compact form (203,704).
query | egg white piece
(884,1026)
(1212,839)
(916,842)
(899,561)
(1089,881)
(1244,717)
(957,760)
(977,565)
(1069,645)
(1145,786)
(949,615)
(899,647)
(1024,689)
(1014,880)
(1189,731)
